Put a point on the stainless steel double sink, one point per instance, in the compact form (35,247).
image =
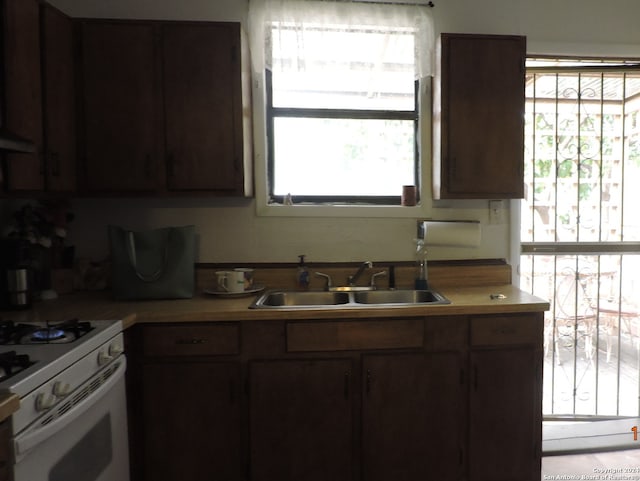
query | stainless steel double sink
(340,299)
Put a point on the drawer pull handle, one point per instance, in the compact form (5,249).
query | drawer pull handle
(191,341)
(507,331)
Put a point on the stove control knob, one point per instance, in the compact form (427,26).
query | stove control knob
(61,389)
(45,401)
(116,349)
(104,358)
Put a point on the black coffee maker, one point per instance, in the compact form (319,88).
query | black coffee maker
(15,274)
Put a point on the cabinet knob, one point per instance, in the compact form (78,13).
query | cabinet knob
(191,341)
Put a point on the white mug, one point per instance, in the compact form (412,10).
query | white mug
(248,276)
(230,281)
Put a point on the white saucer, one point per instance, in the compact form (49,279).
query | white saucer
(254,290)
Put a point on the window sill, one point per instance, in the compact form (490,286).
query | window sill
(388,211)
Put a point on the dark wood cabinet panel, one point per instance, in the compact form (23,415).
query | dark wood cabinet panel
(479,117)
(5,452)
(22,96)
(413,417)
(192,421)
(164,107)
(203,106)
(58,100)
(301,420)
(505,403)
(122,148)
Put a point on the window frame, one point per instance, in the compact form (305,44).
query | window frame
(297,112)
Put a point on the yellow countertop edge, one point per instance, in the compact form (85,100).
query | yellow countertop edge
(9,403)
(464,301)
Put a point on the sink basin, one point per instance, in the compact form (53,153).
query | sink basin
(343,299)
(400,296)
(302,299)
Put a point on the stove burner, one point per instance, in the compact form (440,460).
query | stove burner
(11,363)
(45,333)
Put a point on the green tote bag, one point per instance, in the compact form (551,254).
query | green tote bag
(152,264)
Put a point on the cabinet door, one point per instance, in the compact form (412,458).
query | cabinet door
(301,420)
(413,417)
(203,106)
(505,415)
(479,118)
(122,145)
(6,460)
(191,418)
(59,100)
(23,91)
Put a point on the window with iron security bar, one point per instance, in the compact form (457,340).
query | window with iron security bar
(580,231)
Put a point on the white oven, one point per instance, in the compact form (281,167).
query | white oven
(72,420)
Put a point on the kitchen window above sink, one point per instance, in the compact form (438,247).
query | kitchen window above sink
(341,129)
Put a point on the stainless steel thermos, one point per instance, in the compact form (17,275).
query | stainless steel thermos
(16,277)
(18,288)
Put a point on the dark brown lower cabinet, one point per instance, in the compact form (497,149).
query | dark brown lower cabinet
(192,421)
(502,432)
(433,399)
(505,398)
(5,451)
(413,417)
(301,420)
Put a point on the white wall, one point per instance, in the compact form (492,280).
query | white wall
(230,231)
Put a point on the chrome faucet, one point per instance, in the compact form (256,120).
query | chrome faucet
(351,280)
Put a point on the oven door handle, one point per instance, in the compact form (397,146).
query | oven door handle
(25,442)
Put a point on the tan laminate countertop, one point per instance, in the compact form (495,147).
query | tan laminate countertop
(203,307)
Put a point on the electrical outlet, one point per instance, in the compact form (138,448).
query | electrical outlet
(497,212)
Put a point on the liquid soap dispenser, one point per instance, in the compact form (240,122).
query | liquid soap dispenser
(421,282)
(302,274)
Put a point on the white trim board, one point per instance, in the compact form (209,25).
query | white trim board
(568,437)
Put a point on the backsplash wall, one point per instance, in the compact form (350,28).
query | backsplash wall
(228,230)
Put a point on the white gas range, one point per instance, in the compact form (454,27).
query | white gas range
(72,417)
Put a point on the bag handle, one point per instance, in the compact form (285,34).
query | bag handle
(131,253)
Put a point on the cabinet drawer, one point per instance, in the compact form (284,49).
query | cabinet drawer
(354,335)
(191,340)
(511,329)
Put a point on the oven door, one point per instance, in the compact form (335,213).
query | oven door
(87,441)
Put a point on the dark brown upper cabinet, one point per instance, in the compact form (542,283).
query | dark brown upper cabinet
(478,121)
(39,97)
(58,100)
(165,109)
(121,140)
(203,107)
(22,93)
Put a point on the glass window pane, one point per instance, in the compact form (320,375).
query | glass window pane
(366,157)
(352,69)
